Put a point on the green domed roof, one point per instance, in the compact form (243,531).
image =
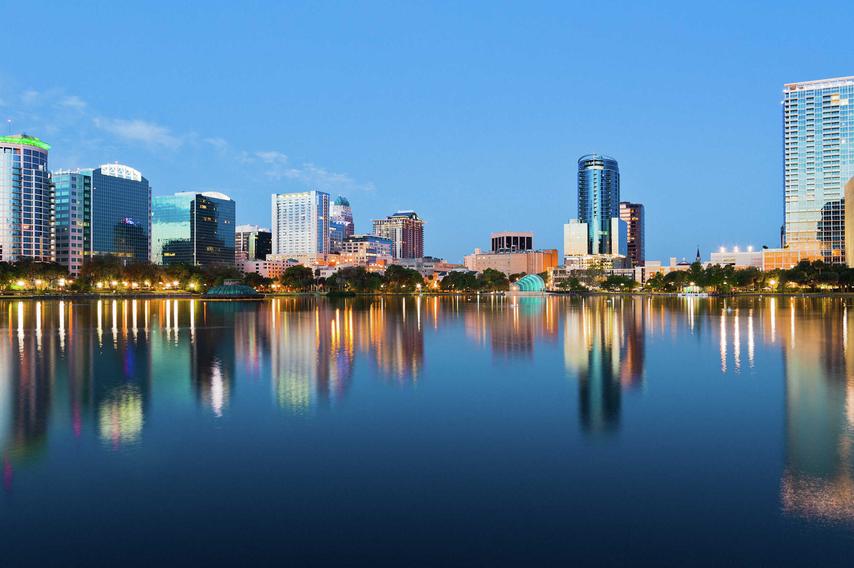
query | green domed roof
(232,291)
(341,200)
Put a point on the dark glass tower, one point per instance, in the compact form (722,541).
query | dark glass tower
(120,217)
(193,228)
(598,199)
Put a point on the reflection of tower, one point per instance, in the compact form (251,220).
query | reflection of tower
(604,347)
(120,372)
(212,360)
(398,338)
(513,325)
(818,481)
(311,351)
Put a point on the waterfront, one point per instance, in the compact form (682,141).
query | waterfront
(405,430)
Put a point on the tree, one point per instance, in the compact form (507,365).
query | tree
(459,281)
(493,280)
(354,279)
(298,278)
(399,278)
(616,282)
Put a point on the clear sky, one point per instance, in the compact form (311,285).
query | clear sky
(472,114)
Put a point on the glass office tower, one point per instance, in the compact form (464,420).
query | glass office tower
(72,204)
(340,222)
(818,131)
(633,215)
(598,199)
(25,199)
(193,228)
(120,222)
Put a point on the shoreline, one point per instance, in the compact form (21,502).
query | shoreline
(189,295)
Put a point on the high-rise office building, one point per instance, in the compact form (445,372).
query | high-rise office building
(193,228)
(25,199)
(300,224)
(251,242)
(633,215)
(99,212)
(406,231)
(598,199)
(340,223)
(120,223)
(72,207)
(818,130)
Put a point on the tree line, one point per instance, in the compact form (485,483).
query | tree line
(806,275)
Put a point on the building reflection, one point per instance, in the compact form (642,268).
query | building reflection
(512,326)
(213,345)
(311,351)
(604,350)
(818,481)
(92,368)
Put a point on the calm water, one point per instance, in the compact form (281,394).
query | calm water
(533,431)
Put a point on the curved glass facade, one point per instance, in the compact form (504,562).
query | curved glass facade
(531,283)
(598,199)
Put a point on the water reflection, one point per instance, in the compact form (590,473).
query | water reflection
(96,369)
(604,349)
(818,481)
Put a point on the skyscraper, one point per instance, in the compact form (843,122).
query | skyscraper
(341,222)
(300,224)
(818,130)
(193,228)
(633,215)
(406,231)
(598,199)
(120,223)
(251,242)
(25,199)
(72,207)
(101,211)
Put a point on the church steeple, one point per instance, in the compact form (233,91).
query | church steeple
(698,255)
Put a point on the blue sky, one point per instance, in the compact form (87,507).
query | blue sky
(473,114)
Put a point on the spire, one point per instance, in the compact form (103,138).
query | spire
(698,255)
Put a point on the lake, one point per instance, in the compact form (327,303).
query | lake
(523,431)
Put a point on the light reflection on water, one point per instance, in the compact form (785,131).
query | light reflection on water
(100,368)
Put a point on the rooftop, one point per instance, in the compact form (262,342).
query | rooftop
(24,139)
(820,84)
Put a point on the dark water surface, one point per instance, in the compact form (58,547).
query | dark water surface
(526,432)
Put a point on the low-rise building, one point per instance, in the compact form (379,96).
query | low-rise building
(786,258)
(268,268)
(366,249)
(737,258)
(529,262)
(429,266)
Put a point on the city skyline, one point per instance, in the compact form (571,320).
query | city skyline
(502,111)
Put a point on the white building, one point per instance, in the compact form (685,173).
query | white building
(737,258)
(575,238)
(300,224)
